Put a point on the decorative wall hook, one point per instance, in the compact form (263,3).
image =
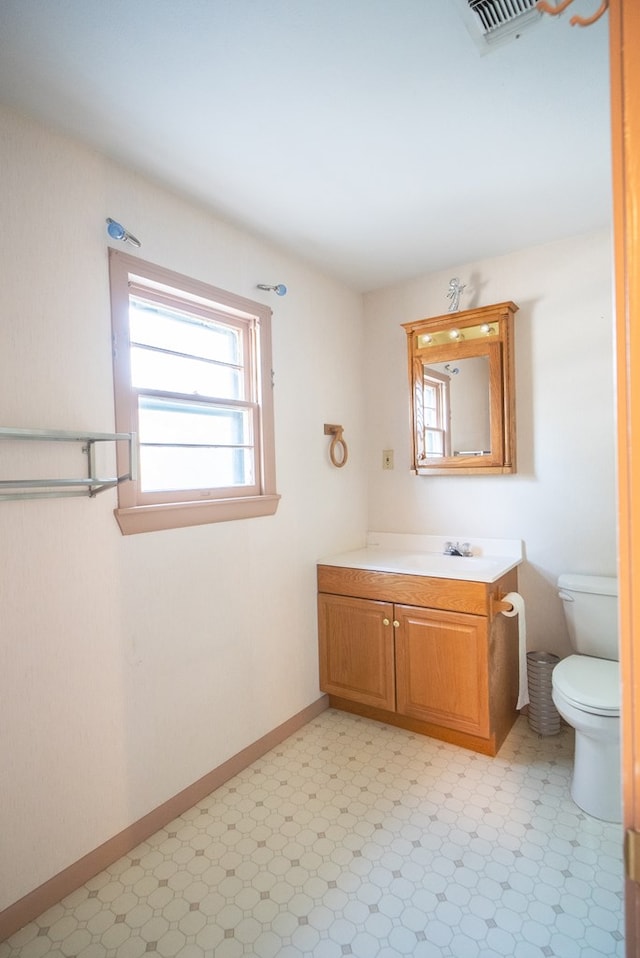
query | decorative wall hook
(118,232)
(279,290)
(336,432)
(545,7)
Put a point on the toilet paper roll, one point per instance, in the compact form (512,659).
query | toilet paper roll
(516,600)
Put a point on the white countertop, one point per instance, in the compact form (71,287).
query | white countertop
(423,555)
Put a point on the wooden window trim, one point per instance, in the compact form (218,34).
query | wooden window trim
(134,513)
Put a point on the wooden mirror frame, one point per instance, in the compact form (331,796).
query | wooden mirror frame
(498,347)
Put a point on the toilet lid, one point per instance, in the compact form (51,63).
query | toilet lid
(590,684)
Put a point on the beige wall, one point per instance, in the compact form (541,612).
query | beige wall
(130,667)
(562,500)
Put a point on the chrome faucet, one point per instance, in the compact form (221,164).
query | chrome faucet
(457,550)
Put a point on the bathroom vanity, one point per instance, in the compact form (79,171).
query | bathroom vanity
(416,639)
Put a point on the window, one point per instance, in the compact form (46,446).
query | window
(436,414)
(192,373)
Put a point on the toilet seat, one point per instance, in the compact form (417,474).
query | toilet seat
(589,684)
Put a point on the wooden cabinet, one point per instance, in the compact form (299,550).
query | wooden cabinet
(441,668)
(465,426)
(357,650)
(423,653)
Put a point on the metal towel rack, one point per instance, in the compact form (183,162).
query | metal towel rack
(60,488)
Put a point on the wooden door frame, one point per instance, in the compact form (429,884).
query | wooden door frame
(625,131)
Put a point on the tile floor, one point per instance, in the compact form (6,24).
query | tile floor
(353,838)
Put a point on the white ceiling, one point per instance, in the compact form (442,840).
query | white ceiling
(368,136)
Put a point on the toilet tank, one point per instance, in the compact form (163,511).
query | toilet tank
(590,605)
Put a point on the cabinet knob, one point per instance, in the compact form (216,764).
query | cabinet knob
(385,622)
(396,624)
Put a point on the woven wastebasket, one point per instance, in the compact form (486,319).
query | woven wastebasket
(543,715)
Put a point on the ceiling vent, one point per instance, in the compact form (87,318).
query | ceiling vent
(493,22)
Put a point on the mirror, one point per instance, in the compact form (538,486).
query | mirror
(462,387)
(465,392)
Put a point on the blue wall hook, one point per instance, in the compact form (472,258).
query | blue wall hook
(118,232)
(279,290)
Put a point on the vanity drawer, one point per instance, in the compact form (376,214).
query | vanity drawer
(434,593)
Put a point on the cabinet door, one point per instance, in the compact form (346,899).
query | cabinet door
(441,668)
(357,650)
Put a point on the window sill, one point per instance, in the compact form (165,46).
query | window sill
(179,515)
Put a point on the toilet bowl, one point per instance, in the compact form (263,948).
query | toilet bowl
(586,692)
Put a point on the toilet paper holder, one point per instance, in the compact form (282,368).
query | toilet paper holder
(498,605)
(512,606)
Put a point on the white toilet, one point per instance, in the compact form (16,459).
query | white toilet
(586,692)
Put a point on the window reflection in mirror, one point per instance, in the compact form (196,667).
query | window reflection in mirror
(461,368)
(457,395)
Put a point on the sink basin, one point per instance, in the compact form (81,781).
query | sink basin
(427,563)
(432,564)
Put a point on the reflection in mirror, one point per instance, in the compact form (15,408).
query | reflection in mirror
(457,395)
(461,369)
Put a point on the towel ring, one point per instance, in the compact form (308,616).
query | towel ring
(337,459)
